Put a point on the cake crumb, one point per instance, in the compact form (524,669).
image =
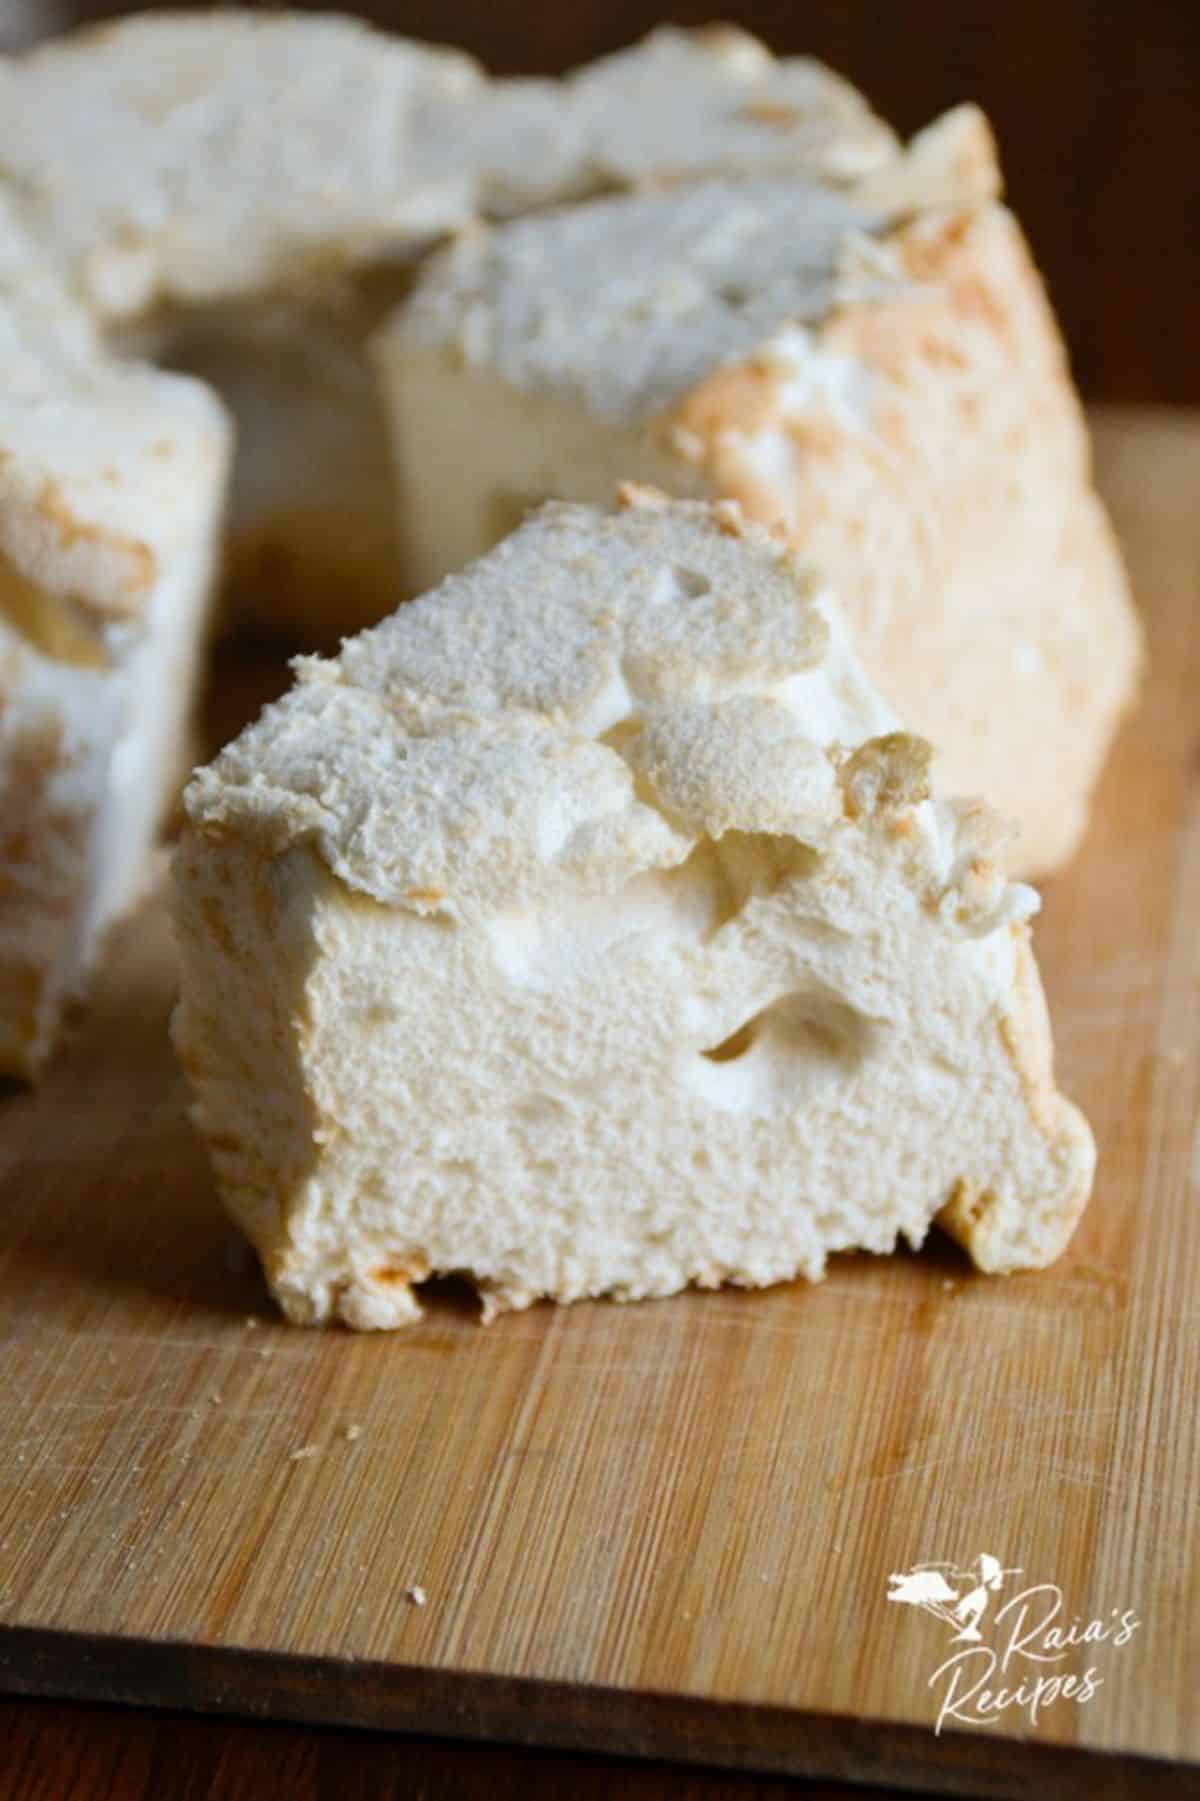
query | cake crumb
(304,1452)
(352,1433)
(251,1320)
(416,1594)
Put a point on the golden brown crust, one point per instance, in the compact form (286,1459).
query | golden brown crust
(133,560)
(928,451)
(952,164)
(1027,1043)
(43,844)
(83,576)
(887,774)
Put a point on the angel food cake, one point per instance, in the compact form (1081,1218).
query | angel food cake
(242,196)
(786,306)
(209,183)
(839,331)
(111,484)
(590,927)
(875,367)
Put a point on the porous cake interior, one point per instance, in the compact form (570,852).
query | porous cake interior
(585,929)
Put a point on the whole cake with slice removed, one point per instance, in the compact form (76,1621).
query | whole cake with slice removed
(242,194)
(590,927)
(209,183)
(875,367)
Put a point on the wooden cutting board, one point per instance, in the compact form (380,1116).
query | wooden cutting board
(666,1528)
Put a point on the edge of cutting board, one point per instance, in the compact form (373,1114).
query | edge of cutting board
(519,1710)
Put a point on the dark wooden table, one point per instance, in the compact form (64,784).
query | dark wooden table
(60,1751)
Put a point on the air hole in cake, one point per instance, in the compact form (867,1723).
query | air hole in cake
(810,1032)
(620,738)
(677,584)
(734,293)
(689,582)
(733,1047)
(757,864)
(685,905)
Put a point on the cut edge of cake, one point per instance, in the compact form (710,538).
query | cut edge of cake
(512,937)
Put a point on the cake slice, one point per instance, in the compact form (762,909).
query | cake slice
(589,928)
(874,366)
(111,482)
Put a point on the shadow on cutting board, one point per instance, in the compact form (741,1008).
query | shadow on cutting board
(105,1189)
(103,1183)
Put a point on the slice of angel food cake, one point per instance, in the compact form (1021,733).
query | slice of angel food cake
(112,480)
(242,195)
(874,366)
(590,927)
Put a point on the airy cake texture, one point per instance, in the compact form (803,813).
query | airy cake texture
(241,197)
(677,106)
(111,481)
(197,157)
(589,927)
(876,367)
(213,184)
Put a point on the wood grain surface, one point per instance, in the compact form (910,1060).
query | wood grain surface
(1094,102)
(664,1529)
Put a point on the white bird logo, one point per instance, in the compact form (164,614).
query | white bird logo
(959,1598)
